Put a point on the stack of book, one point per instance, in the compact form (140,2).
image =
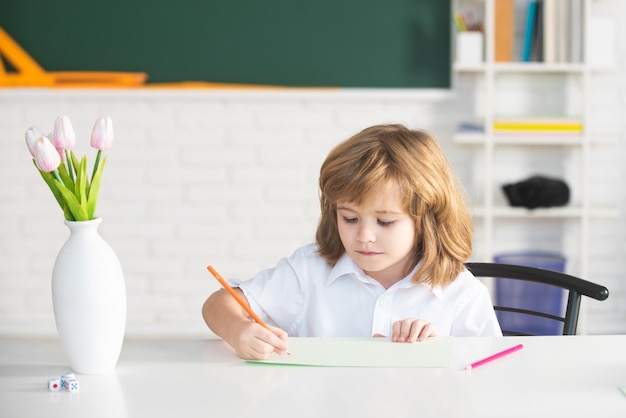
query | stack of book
(548,31)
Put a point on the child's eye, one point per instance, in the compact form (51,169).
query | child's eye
(350,220)
(384,223)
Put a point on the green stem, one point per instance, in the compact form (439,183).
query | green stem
(56,175)
(95,166)
(70,166)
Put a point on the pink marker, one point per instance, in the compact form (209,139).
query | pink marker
(495,356)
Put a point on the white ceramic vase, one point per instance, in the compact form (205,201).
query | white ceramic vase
(89,300)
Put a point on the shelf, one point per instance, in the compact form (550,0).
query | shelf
(565,212)
(509,139)
(488,90)
(472,138)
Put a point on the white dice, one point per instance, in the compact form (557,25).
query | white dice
(72,385)
(65,378)
(54,385)
(67,381)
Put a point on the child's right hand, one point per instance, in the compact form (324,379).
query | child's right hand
(412,329)
(255,342)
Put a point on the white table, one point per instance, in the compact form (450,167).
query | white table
(575,376)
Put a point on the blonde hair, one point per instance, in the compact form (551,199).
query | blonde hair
(431,195)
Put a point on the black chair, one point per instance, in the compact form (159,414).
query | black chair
(574,287)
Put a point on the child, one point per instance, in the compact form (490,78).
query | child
(388,260)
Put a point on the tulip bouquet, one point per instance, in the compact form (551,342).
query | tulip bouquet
(63,172)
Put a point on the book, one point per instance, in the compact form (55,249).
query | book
(519,27)
(537,129)
(562,30)
(576,31)
(549,31)
(504,12)
(472,127)
(538,125)
(530,28)
(536,50)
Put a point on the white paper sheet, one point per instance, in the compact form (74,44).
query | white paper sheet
(365,352)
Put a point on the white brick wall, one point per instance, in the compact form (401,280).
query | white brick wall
(230,178)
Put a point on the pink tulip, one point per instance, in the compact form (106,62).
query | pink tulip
(102,134)
(32,135)
(64,135)
(46,155)
(61,154)
(60,150)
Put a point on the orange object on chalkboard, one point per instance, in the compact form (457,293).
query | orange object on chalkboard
(27,72)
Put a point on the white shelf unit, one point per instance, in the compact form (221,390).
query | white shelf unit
(487,89)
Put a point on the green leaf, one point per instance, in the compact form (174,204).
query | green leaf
(94,189)
(96,164)
(52,184)
(69,163)
(79,212)
(75,163)
(80,190)
(67,213)
(67,180)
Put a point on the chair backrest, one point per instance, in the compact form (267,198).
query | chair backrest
(574,288)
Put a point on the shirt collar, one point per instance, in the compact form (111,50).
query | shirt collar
(406,282)
(346,266)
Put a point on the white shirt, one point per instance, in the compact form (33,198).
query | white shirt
(306,297)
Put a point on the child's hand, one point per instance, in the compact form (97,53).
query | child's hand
(410,330)
(254,342)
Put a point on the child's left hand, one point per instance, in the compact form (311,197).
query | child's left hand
(410,330)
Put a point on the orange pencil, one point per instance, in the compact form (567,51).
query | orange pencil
(239,300)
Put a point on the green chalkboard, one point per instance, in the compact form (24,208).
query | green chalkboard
(344,43)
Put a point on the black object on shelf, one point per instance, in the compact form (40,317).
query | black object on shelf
(536,192)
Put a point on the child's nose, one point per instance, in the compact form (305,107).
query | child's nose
(366,234)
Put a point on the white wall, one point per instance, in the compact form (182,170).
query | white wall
(230,178)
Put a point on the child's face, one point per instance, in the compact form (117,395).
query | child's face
(378,234)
